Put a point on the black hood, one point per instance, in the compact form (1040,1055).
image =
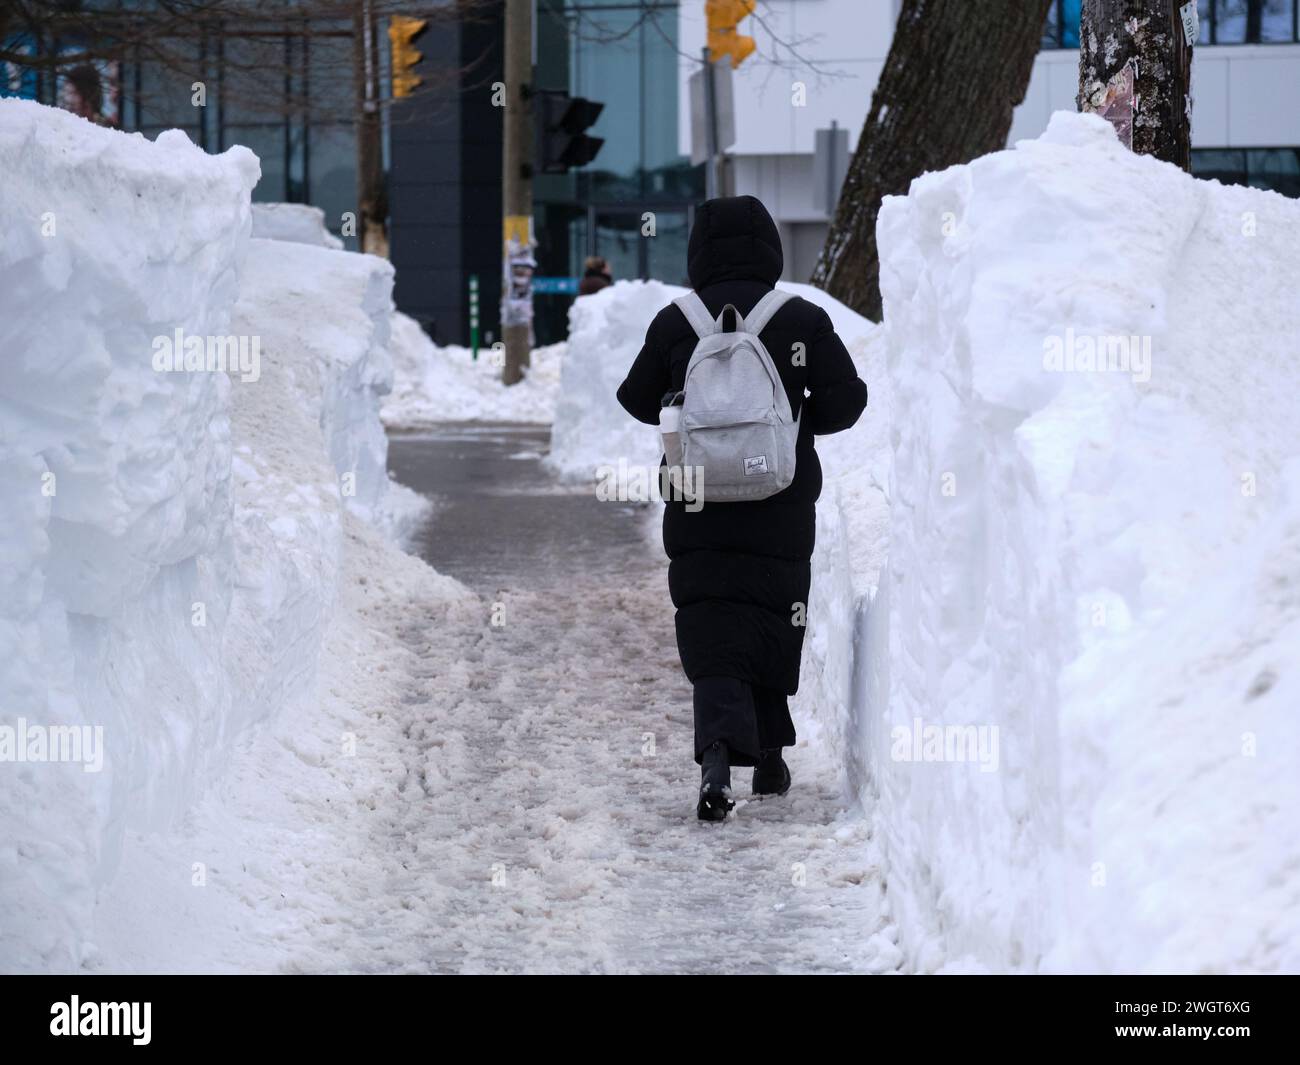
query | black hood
(734,238)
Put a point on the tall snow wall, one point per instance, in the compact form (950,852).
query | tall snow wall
(169,541)
(1094,537)
(114,490)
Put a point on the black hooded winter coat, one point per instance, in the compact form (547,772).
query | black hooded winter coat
(739,571)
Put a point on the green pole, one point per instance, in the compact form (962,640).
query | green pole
(473,315)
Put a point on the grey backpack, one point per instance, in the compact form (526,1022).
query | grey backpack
(737,432)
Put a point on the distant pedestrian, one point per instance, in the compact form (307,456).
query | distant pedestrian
(739,571)
(595,276)
(83,94)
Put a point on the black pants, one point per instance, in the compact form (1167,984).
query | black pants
(746,717)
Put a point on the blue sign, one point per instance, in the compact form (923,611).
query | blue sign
(16,80)
(562,286)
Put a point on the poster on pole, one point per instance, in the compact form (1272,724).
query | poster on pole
(1118,102)
(518,266)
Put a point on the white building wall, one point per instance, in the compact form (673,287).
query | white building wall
(1243,96)
(838,70)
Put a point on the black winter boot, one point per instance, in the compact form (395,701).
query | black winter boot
(715,783)
(771,775)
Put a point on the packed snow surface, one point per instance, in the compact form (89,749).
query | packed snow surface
(510,795)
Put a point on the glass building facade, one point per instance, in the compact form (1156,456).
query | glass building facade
(1248,21)
(308,154)
(624,54)
(1221,22)
(1262,168)
(300,128)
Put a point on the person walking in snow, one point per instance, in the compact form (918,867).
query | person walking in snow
(739,571)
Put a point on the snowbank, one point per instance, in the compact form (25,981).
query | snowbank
(335,308)
(1095,568)
(606,330)
(435,384)
(291,842)
(171,540)
(299,223)
(307,443)
(115,517)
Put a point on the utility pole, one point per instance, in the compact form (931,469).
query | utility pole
(1135,70)
(517,191)
(372,208)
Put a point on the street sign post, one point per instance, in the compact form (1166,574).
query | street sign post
(723,120)
(830,165)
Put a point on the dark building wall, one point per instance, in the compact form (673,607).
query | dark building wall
(483,59)
(445,181)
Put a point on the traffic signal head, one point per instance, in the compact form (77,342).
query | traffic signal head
(562,141)
(723,16)
(401,32)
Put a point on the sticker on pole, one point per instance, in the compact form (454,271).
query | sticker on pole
(1191,22)
(1115,102)
(518,266)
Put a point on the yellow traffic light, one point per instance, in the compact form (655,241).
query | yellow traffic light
(723,17)
(401,32)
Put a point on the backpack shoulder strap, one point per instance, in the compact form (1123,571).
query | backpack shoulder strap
(756,320)
(697,314)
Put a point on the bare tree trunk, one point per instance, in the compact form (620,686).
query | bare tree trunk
(1135,70)
(954,75)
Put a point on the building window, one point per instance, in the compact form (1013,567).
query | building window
(624,54)
(1061,30)
(1222,22)
(1261,168)
(286,96)
(1247,21)
(285,92)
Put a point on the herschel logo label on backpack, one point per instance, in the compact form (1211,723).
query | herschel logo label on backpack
(736,426)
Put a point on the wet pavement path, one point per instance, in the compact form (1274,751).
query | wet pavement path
(553,828)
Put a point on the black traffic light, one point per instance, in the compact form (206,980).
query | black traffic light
(562,121)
